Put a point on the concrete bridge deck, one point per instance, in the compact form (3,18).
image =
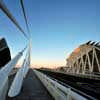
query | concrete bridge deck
(32,89)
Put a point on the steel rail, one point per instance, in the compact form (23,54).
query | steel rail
(75,90)
(70,82)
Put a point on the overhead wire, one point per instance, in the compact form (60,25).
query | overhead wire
(27,26)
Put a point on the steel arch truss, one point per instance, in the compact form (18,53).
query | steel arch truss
(86,61)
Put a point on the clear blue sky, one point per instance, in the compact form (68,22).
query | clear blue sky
(57,27)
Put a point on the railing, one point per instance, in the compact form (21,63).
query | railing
(58,91)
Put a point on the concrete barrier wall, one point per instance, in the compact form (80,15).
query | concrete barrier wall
(58,91)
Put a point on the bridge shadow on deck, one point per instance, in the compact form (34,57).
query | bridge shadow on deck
(32,89)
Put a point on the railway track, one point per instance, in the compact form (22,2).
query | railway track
(90,87)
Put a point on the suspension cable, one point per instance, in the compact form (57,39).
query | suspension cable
(24,14)
(11,17)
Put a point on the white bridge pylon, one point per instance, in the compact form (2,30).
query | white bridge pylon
(19,78)
(6,70)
